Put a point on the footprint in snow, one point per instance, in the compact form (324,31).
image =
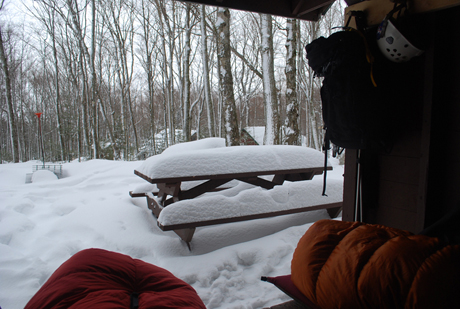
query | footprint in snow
(24,208)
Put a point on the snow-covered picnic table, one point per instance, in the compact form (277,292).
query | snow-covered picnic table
(187,171)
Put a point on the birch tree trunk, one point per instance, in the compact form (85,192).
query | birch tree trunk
(207,87)
(84,58)
(272,118)
(58,93)
(232,134)
(219,98)
(148,66)
(167,23)
(108,121)
(164,71)
(120,22)
(94,95)
(171,24)
(24,147)
(291,134)
(77,72)
(186,62)
(9,101)
(313,108)
(46,14)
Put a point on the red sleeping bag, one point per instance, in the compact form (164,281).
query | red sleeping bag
(355,265)
(96,278)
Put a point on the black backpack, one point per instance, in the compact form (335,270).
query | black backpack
(349,95)
(353,111)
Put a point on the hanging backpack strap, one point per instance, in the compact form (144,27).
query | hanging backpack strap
(361,23)
(326,147)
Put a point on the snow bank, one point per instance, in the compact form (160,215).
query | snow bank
(43,224)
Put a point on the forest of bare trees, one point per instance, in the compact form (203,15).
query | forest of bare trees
(124,79)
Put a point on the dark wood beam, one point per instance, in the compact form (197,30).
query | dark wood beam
(299,9)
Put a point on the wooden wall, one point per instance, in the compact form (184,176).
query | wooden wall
(418,181)
(444,165)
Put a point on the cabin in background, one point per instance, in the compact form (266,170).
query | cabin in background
(252,135)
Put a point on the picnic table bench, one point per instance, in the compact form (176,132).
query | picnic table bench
(184,176)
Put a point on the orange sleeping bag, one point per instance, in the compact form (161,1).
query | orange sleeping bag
(355,265)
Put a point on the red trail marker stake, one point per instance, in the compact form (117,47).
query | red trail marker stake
(40,137)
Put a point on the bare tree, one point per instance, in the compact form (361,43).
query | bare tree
(119,19)
(168,27)
(89,124)
(206,80)
(307,84)
(9,99)
(57,87)
(291,129)
(186,78)
(272,118)
(232,134)
(147,59)
(80,68)
(94,92)
(48,19)
(247,70)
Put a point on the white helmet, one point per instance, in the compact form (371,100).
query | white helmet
(392,42)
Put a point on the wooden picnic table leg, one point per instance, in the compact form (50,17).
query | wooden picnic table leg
(334,212)
(154,206)
(279,179)
(165,189)
(186,235)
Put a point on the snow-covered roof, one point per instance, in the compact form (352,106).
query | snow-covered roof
(257,133)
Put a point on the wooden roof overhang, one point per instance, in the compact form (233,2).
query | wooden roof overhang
(312,10)
(299,9)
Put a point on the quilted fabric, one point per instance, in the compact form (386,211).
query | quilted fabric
(355,265)
(96,278)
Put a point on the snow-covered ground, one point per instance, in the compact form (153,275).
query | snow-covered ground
(45,222)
